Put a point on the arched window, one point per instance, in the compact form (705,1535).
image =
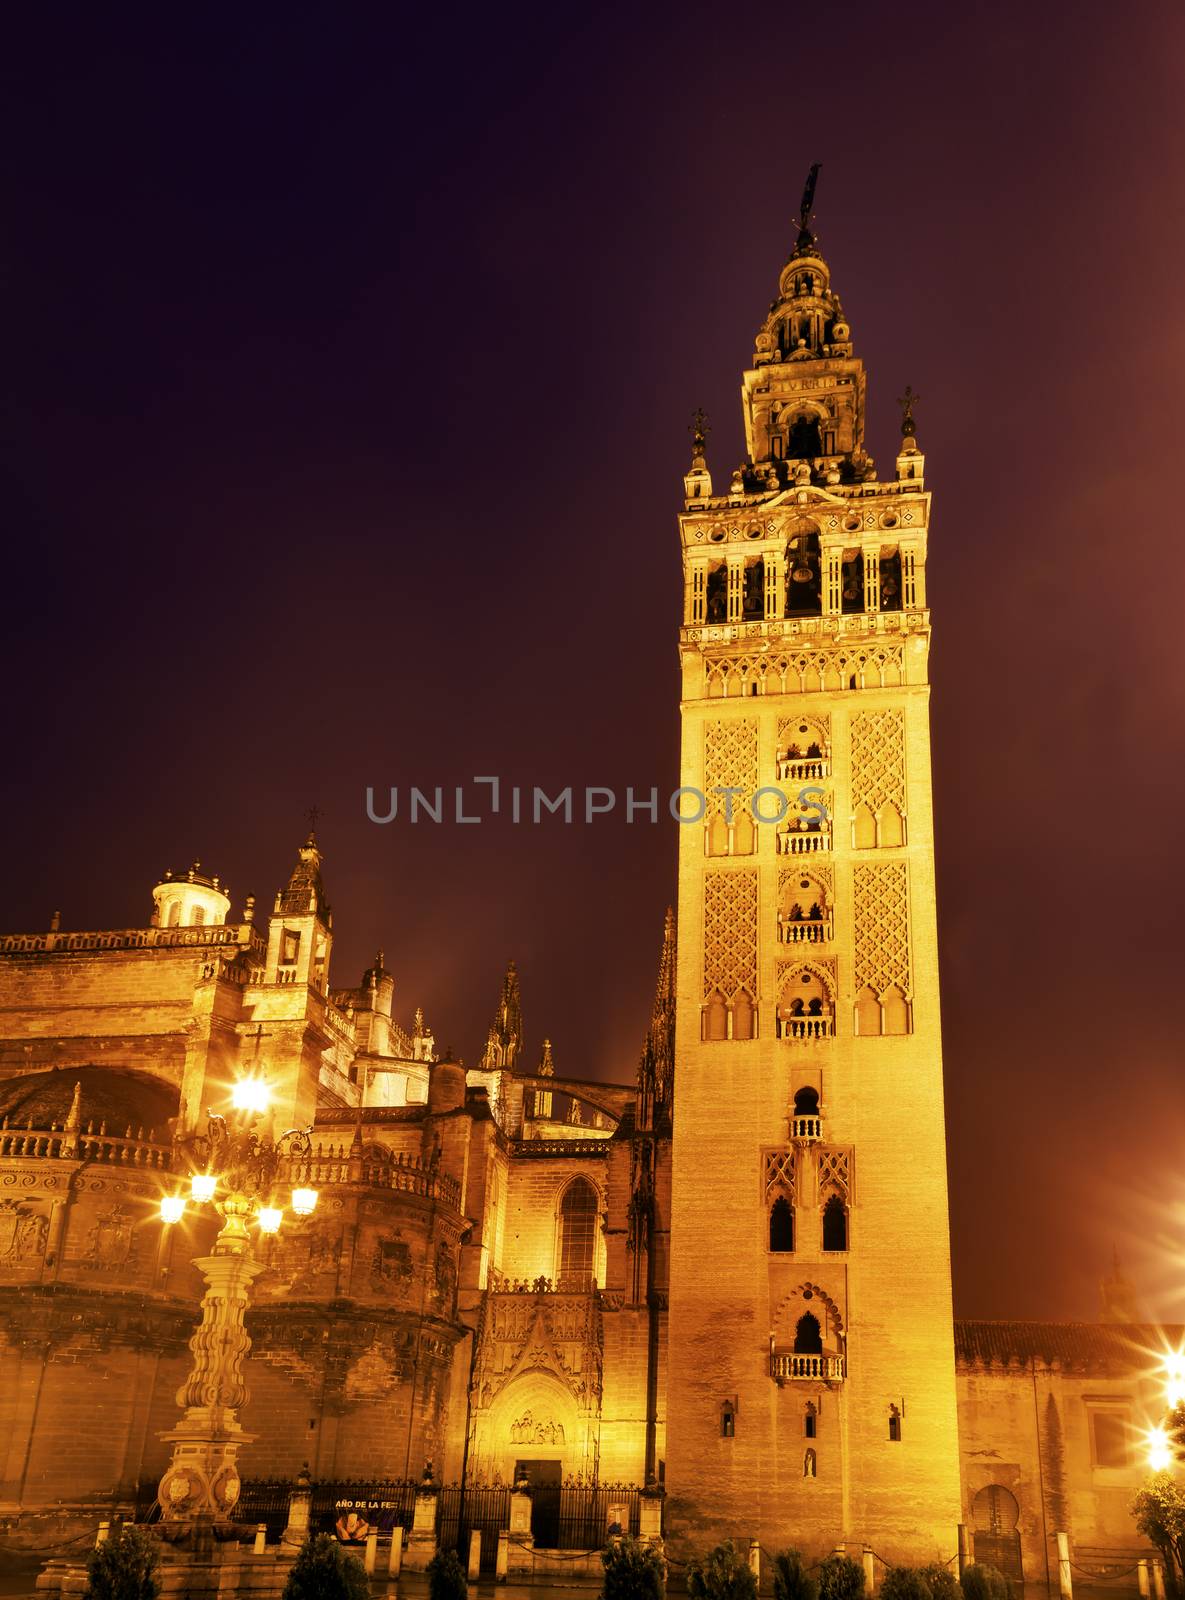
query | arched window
(835,1224)
(728,1420)
(894,1425)
(174,914)
(806,1102)
(578,1231)
(808,1339)
(199,916)
(810,1421)
(743,1016)
(803,440)
(753,595)
(716,1017)
(781,1225)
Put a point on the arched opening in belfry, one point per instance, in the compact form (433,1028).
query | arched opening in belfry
(753,597)
(804,589)
(716,594)
(835,1224)
(781,1226)
(890,599)
(808,1336)
(852,582)
(806,1102)
(803,440)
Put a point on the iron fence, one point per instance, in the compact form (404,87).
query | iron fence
(461,1509)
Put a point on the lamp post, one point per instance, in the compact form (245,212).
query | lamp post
(235,1170)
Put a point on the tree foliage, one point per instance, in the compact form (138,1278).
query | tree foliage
(791,1579)
(124,1567)
(324,1571)
(943,1583)
(1159,1512)
(723,1574)
(634,1570)
(905,1583)
(981,1582)
(446,1577)
(840,1578)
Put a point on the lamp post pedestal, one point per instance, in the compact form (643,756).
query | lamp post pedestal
(201,1484)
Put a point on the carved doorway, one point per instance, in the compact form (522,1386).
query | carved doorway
(545,1478)
(996,1538)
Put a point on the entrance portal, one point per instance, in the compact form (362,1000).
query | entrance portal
(545,1478)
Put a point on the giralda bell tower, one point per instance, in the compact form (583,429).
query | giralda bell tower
(811,1382)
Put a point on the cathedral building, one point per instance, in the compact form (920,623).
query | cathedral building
(725,1276)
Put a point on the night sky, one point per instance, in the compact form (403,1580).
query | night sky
(349,371)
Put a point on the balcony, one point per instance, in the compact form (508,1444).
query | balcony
(784,1364)
(804,930)
(807,1027)
(803,841)
(803,769)
(807,1129)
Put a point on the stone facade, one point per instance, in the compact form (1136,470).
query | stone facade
(742,1288)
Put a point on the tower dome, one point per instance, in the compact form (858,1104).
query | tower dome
(187,899)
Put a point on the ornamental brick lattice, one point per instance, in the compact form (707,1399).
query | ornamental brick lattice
(730,932)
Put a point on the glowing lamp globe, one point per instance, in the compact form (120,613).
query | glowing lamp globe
(1160,1456)
(250,1094)
(172,1207)
(202,1186)
(269,1219)
(304,1202)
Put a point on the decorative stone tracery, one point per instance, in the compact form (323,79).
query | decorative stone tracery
(730,933)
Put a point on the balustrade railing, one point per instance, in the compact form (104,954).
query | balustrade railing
(124,1150)
(804,930)
(201,936)
(562,1147)
(800,770)
(803,842)
(790,1364)
(806,1127)
(821,1027)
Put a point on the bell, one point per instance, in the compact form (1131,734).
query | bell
(802,574)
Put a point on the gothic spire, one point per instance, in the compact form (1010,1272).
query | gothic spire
(305,892)
(656,1070)
(505,1042)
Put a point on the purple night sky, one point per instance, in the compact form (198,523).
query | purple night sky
(350,369)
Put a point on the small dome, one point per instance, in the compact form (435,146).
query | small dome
(109,1094)
(446,1086)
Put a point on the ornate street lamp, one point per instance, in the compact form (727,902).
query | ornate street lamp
(236,1169)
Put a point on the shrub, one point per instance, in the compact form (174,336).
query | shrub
(905,1583)
(324,1571)
(840,1578)
(791,1579)
(723,1574)
(981,1582)
(943,1583)
(1159,1512)
(633,1571)
(446,1577)
(124,1567)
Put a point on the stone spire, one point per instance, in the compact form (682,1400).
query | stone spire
(305,893)
(505,1042)
(1118,1299)
(656,1070)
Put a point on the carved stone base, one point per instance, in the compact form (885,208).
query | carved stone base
(202,1481)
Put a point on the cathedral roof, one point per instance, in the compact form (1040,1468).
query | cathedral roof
(107,1095)
(1082,1346)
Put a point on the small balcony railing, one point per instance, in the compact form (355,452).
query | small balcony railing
(804,930)
(806,1128)
(803,841)
(802,769)
(820,1027)
(789,1364)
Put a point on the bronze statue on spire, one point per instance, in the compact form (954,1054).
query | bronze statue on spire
(805,237)
(698,429)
